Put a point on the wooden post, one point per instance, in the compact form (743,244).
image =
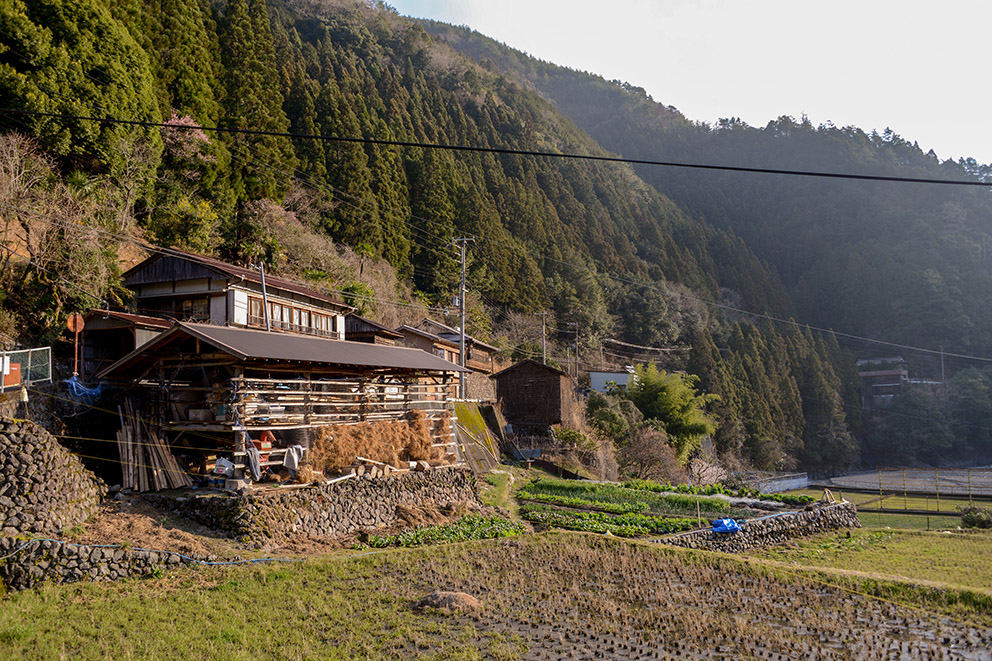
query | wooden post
(905,503)
(969,487)
(879,488)
(936,477)
(699,520)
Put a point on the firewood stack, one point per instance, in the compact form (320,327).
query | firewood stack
(147,463)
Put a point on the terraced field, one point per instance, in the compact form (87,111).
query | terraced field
(548,596)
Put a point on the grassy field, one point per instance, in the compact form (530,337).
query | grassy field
(546,596)
(945,558)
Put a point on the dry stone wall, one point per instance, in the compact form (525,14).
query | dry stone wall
(772,530)
(24,563)
(44,488)
(340,508)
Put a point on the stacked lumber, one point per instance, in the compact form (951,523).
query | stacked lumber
(147,463)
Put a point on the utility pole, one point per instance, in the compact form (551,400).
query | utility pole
(463,241)
(576,325)
(544,337)
(576,352)
(265,299)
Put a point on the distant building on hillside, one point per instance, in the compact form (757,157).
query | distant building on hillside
(479,356)
(881,380)
(600,381)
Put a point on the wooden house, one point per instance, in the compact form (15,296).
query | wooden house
(534,396)
(479,356)
(193,288)
(208,388)
(417,338)
(360,329)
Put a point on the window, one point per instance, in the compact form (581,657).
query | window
(197,309)
(255,314)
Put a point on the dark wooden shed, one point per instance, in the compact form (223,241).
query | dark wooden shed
(534,396)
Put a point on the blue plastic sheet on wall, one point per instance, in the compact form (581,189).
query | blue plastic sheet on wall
(726,525)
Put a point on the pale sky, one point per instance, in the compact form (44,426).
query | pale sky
(917,67)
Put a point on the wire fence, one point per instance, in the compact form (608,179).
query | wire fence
(26,367)
(920,488)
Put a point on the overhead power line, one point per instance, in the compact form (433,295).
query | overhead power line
(618,278)
(503,150)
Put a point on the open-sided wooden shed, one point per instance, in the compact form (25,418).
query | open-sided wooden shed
(208,387)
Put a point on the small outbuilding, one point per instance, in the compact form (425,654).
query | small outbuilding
(534,396)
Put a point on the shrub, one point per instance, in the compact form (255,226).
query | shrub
(976,517)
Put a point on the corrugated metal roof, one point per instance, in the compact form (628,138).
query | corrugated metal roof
(246,344)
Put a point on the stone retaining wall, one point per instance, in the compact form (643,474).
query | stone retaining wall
(26,563)
(333,509)
(44,488)
(774,530)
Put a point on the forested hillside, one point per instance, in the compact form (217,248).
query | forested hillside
(590,242)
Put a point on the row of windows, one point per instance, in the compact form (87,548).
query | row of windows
(289,317)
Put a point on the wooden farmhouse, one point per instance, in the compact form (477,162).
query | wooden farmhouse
(179,286)
(533,396)
(209,391)
(417,338)
(187,287)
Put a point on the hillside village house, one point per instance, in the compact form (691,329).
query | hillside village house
(360,329)
(418,338)
(175,285)
(881,380)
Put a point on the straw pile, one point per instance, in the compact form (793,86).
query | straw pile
(395,443)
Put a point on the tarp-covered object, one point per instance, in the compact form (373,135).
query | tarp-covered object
(726,525)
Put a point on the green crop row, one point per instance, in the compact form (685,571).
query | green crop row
(624,525)
(718,489)
(576,492)
(571,501)
(469,527)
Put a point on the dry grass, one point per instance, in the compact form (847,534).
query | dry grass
(395,443)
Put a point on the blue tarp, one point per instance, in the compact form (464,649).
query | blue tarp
(80,392)
(726,525)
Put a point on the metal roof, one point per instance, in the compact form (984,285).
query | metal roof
(404,329)
(245,344)
(529,361)
(453,334)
